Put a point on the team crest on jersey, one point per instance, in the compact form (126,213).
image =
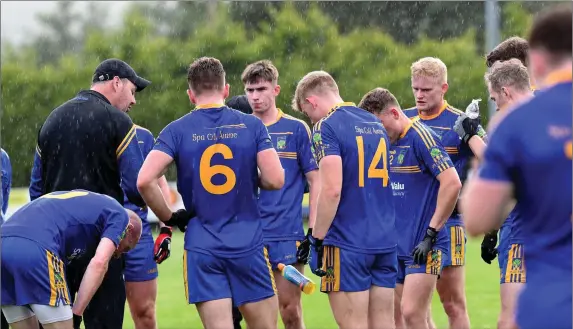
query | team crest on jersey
(281,143)
(401,156)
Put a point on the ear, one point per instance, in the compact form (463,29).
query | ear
(506,92)
(395,113)
(191,95)
(445,87)
(226,90)
(277,90)
(312,101)
(117,83)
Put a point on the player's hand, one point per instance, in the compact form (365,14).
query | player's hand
(77,321)
(420,252)
(303,250)
(162,248)
(488,250)
(316,256)
(466,128)
(180,218)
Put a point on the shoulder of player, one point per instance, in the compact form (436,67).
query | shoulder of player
(411,112)
(141,131)
(296,123)
(450,109)
(422,133)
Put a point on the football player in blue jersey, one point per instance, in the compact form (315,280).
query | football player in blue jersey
(529,158)
(141,263)
(426,187)
(353,239)
(281,211)
(6,168)
(508,84)
(217,151)
(429,85)
(42,238)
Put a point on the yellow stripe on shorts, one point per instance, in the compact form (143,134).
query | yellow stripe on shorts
(457,245)
(58,286)
(272,276)
(331,260)
(515,269)
(185,275)
(434,262)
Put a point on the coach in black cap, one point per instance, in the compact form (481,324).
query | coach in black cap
(89,142)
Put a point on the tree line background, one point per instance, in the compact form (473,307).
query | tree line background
(362,44)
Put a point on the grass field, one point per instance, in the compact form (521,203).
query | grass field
(482,291)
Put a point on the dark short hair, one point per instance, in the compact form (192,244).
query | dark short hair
(206,74)
(551,31)
(240,103)
(377,101)
(260,71)
(514,47)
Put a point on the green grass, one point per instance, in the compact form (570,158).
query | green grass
(482,292)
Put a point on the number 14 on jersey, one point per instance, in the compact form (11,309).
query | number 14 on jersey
(373,171)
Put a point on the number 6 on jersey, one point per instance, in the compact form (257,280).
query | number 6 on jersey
(206,171)
(373,172)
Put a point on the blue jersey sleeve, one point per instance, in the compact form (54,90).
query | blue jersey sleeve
(499,155)
(430,150)
(6,180)
(262,136)
(305,157)
(325,141)
(130,161)
(116,221)
(167,142)
(145,137)
(36,183)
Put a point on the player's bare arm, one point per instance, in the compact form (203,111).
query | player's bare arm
(450,186)
(477,145)
(164,186)
(484,204)
(330,172)
(313,178)
(272,174)
(153,168)
(94,275)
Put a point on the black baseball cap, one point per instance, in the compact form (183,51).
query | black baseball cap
(114,67)
(240,103)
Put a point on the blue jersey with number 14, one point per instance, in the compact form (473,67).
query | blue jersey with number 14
(364,220)
(215,150)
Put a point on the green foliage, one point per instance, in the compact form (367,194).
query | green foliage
(297,42)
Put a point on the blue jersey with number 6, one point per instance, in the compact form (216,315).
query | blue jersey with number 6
(215,151)
(364,220)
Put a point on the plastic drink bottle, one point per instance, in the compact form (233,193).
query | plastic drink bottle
(290,273)
(472,111)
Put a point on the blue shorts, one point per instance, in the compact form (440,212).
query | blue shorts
(139,263)
(503,246)
(245,279)
(513,269)
(31,274)
(282,252)
(546,304)
(351,271)
(456,253)
(434,264)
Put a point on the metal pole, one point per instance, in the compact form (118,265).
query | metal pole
(492,36)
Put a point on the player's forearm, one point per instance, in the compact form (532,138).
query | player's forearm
(326,210)
(166,191)
(447,197)
(477,145)
(151,193)
(314,190)
(91,281)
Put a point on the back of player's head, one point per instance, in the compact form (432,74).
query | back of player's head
(430,67)
(551,32)
(313,83)
(514,47)
(134,227)
(240,103)
(261,71)
(378,100)
(206,74)
(509,73)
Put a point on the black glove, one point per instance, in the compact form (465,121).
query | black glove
(466,127)
(180,218)
(488,250)
(316,256)
(77,321)
(304,248)
(420,253)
